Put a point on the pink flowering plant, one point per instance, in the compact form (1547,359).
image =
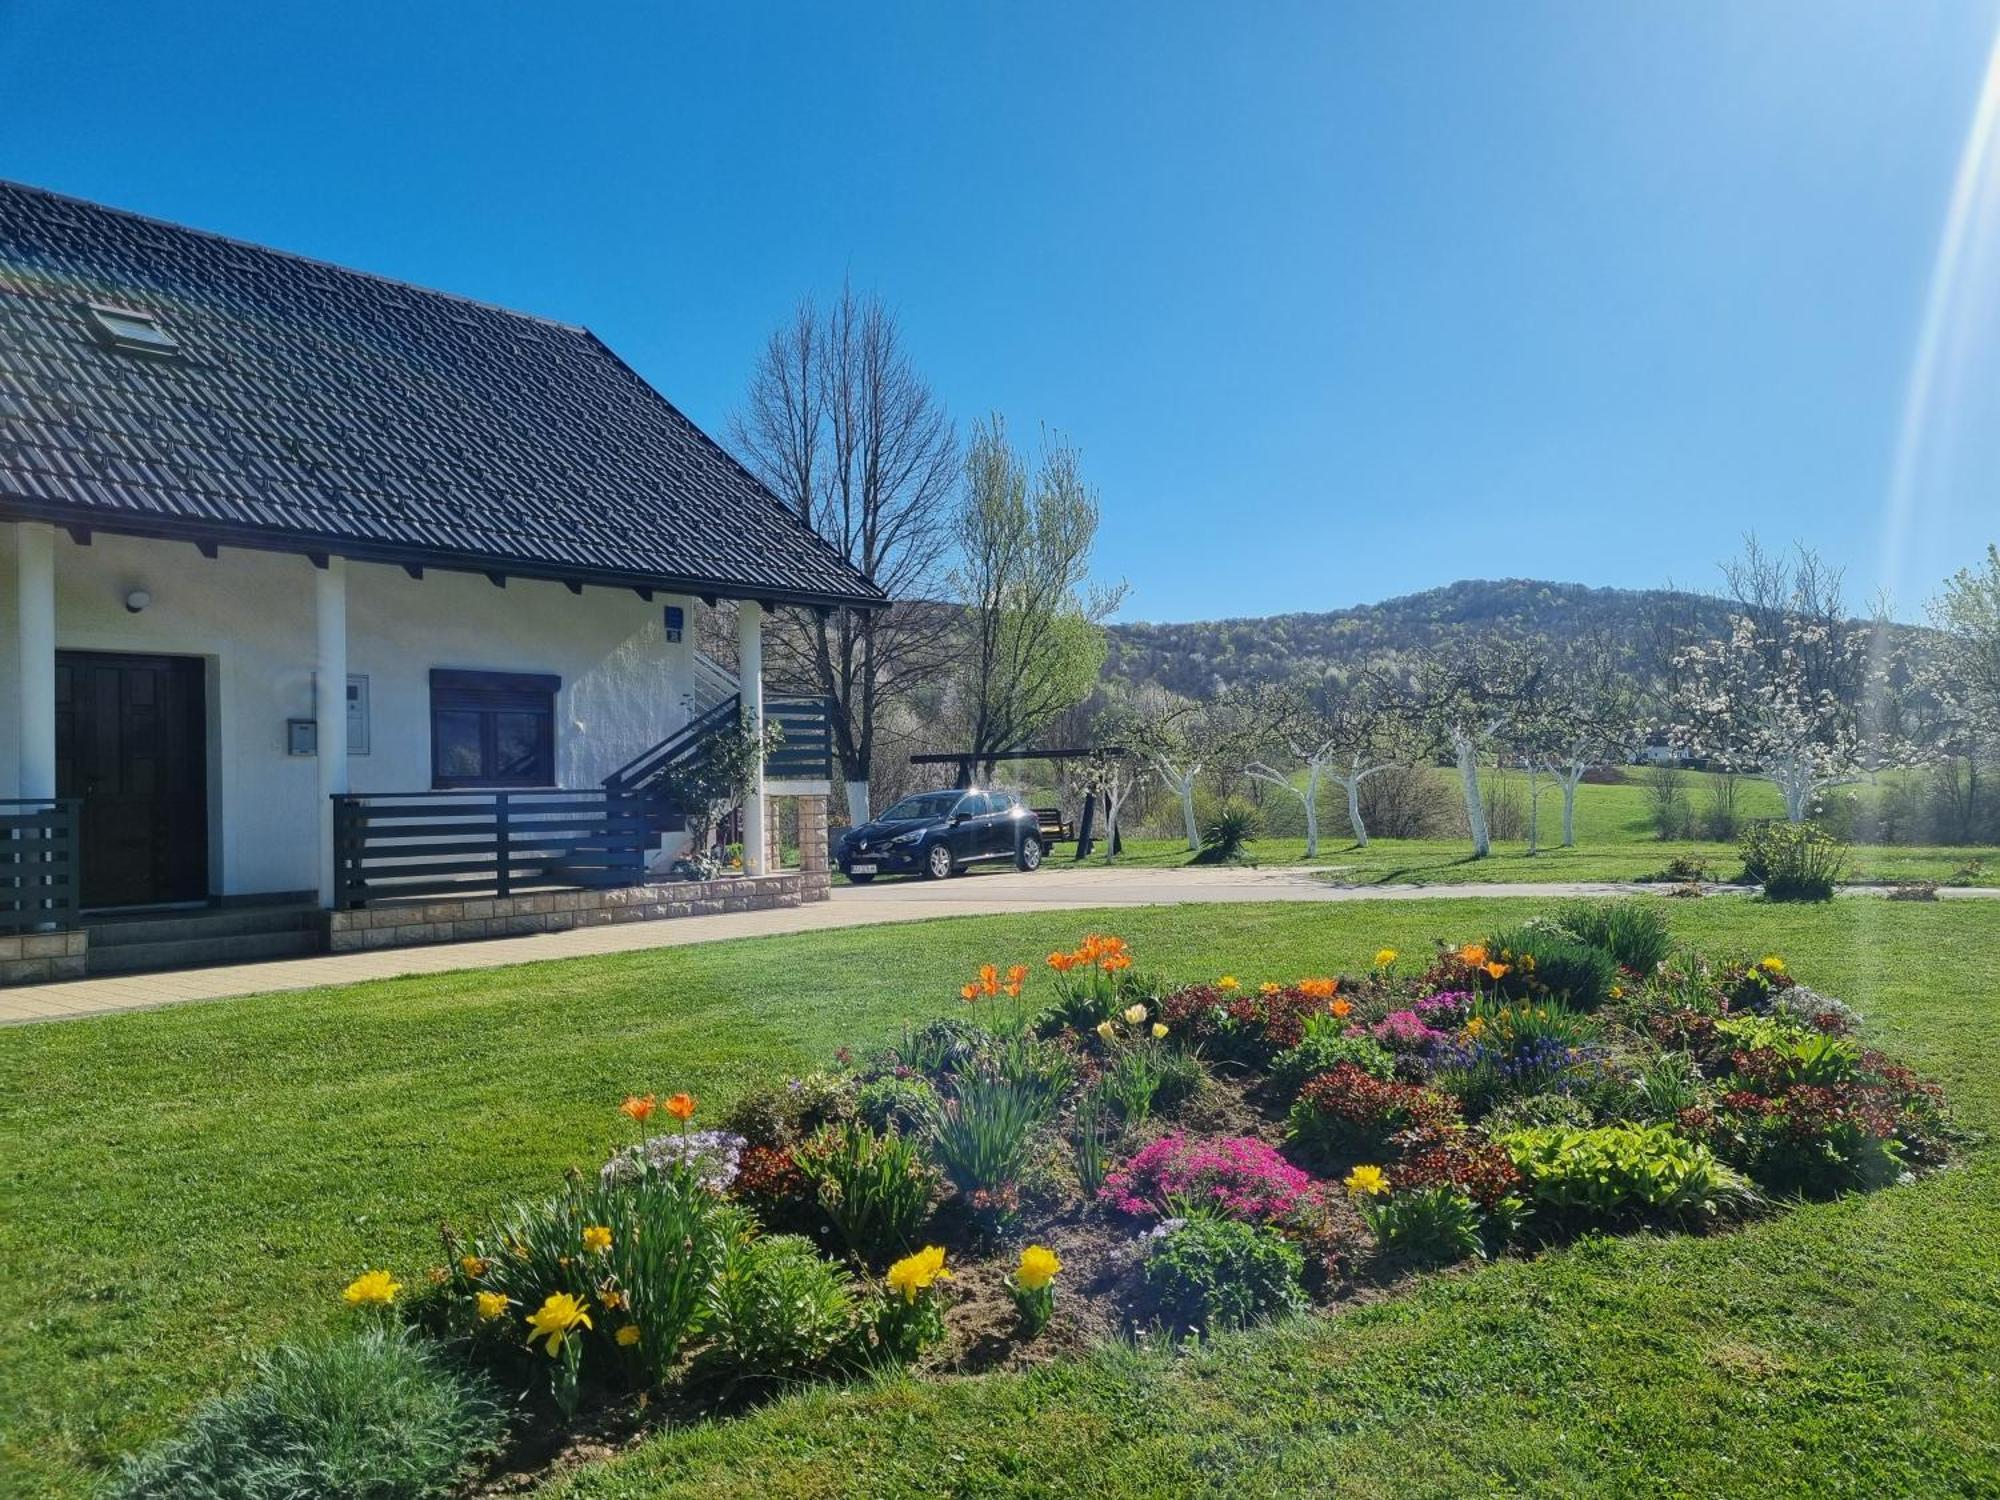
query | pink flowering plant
(1405,1031)
(1238,1177)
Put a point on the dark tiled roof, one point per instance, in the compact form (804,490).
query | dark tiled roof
(322,409)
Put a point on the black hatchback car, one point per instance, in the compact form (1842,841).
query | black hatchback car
(935,834)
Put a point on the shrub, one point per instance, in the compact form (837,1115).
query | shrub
(1534,1110)
(1407,802)
(875,1189)
(1793,861)
(379,1415)
(1234,826)
(776,1311)
(1221,1273)
(1620,1173)
(1429,1225)
(1634,933)
(778,1115)
(1345,1112)
(1325,1046)
(1543,963)
(1237,1177)
(896,1103)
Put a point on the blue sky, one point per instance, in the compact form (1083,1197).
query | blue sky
(1340,301)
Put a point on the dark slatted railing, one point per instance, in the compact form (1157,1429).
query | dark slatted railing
(806,753)
(38,864)
(398,845)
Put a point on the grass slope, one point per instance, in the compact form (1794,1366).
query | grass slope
(184,1186)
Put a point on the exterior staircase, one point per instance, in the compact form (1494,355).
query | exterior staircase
(190,938)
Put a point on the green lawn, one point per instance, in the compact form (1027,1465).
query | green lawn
(184,1186)
(1615,841)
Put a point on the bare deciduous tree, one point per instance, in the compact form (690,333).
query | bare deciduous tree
(839,424)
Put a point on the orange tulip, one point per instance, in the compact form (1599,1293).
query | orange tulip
(636,1109)
(1494,971)
(1473,954)
(968,993)
(1018,974)
(680,1106)
(1318,989)
(1340,1009)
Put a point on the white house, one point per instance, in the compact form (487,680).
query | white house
(278,538)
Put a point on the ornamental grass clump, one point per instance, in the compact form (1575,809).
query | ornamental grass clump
(1237,1177)
(1633,932)
(381,1412)
(980,1134)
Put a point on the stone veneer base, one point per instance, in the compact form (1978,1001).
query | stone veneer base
(38,957)
(400,925)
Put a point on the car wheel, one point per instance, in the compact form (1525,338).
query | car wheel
(1029,855)
(859,879)
(938,862)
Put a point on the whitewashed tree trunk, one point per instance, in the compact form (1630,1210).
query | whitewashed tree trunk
(1466,752)
(1570,776)
(1353,786)
(1182,779)
(1308,796)
(857,802)
(1534,808)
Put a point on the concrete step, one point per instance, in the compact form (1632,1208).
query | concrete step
(194,953)
(198,925)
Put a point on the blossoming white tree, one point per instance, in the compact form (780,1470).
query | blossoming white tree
(1782,696)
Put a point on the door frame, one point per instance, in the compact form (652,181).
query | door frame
(198,680)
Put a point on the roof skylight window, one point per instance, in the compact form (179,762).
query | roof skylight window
(131,328)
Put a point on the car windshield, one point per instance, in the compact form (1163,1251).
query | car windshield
(923,805)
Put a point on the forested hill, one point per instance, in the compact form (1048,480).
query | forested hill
(1201,657)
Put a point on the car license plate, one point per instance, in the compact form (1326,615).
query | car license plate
(861,869)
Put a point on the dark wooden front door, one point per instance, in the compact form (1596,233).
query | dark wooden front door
(131,741)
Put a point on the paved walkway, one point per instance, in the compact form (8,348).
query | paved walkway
(979,893)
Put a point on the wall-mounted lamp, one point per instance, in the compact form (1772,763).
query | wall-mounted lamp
(137,600)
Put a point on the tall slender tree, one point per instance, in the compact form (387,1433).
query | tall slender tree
(841,426)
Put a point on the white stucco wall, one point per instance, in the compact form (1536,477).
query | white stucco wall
(249,615)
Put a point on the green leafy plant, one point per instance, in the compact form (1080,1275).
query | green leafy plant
(942,1046)
(1793,861)
(1613,1173)
(1092,1129)
(895,1103)
(1039,1068)
(876,1190)
(776,1312)
(1228,833)
(381,1414)
(780,1113)
(980,1132)
(1668,1084)
(1633,932)
(1325,1045)
(1430,1225)
(1222,1273)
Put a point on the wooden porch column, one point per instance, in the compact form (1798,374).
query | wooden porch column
(330,705)
(35,603)
(750,675)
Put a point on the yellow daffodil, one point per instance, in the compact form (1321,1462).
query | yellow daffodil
(474,1266)
(913,1273)
(596,1239)
(1770,963)
(372,1289)
(491,1305)
(627,1336)
(555,1320)
(1367,1182)
(1134,1014)
(1038,1267)
(611,1297)
(1159,1030)
(1384,957)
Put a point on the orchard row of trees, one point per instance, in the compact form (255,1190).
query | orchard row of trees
(1796,691)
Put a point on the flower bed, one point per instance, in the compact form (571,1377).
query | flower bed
(1088,1152)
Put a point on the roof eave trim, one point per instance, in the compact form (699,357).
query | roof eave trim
(309,544)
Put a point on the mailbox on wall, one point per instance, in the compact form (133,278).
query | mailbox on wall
(301,737)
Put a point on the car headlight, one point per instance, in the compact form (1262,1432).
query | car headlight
(905,840)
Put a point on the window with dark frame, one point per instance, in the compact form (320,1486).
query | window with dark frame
(493,729)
